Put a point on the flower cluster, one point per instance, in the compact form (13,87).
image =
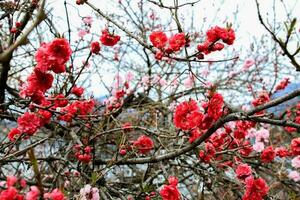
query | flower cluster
(260,100)
(87,25)
(76,108)
(282,84)
(53,56)
(50,57)
(188,116)
(109,39)
(29,123)
(170,191)
(243,171)
(15,190)
(143,144)
(261,136)
(83,154)
(78,91)
(167,45)
(268,155)
(11,191)
(95,47)
(294,175)
(56,194)
(211,43)
(295,146)
(256,189)
(89,193)
(209,152)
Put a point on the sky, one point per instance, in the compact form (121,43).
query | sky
(205,13)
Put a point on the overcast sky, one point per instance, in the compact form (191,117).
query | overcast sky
(210,12)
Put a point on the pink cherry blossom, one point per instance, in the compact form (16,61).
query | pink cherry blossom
(262,135)
(89,193)
(248,63)
(190,81)
(145,81)
(88,20)
(294,175)
(296,162)
(81,33)
(258,146)
(129,76)
(162,82)
(33,194)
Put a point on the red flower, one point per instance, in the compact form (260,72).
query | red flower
(217,47)
(60,50)
(159,55)
(95,47)
(18,24)
(177,41)
(268,154)
(28,123)
(127,126)
(11,181)
(53,56)
(170,192)
(81,108)
(40,81)
(262,99)
(210,149)
(290,129)
(60,101)
(173,180)
(256,189)
(230,37)
(78,91)
(247,148)
(282,84)
(224,34)
(295,146)
(217,140)
(109,39)
(158,39)
(122,152)
(215,106)
(10,193)
(144,144)
(13,134)
(194,134)
(13,30)
(239,134)
(208,154)
(282,152)
(119,94)
(187,115)
(56,194)
(45,116)
(243,171)
(213,35)
(86,158)
(204,47)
